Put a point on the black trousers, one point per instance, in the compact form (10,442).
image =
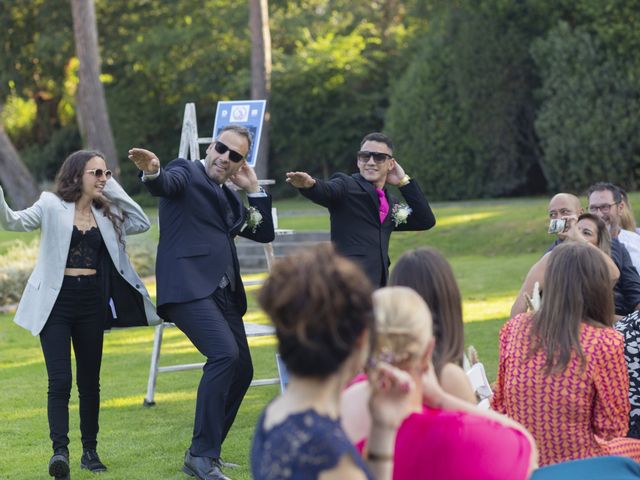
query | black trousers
(214,326)
(78,317)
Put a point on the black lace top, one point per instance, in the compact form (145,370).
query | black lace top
(84,251)
(301,448)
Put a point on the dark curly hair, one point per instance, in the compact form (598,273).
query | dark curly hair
(68,186)
(320,304)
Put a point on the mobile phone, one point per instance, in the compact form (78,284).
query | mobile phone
(557,225)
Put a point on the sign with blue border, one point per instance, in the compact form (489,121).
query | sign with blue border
(249,114)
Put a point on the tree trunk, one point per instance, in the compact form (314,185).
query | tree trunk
(261,73)
(16,180)
(93,117)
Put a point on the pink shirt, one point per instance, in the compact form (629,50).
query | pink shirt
(458,446)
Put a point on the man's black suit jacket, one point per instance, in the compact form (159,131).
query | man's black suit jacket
(196,234)
(356,230)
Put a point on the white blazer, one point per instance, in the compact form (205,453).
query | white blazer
(55,217)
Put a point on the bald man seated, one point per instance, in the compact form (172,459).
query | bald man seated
(625,279)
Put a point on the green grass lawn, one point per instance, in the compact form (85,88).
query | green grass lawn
(490,244)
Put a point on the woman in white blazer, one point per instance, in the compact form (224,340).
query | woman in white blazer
(83,283)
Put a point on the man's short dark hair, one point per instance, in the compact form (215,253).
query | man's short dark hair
(240,130)
(602,186)
(377,137)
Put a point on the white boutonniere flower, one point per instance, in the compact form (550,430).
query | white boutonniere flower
(399,213)
(254,219)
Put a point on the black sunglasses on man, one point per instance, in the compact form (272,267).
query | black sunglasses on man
(378,157)
(221,148)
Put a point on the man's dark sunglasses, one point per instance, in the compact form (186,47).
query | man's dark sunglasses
(378,157)
(221,148)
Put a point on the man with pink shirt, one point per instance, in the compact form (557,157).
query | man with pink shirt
(363,213)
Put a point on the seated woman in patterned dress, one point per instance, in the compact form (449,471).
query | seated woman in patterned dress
(594,231)
(562,372)
(445,437)
(321,306)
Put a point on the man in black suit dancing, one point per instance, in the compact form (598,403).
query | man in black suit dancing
(363,214)
(198,278)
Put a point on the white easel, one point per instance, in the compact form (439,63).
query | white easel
(190,148)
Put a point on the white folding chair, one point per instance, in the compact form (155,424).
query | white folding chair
(480,384)
(282,373)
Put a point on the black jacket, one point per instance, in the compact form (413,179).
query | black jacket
(197,233)
(356,230)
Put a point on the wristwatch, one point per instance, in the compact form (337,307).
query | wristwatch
(406,179)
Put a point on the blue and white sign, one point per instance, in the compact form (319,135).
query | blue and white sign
(249,114)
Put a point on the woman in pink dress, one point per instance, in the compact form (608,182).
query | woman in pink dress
(562,371)
(444,437)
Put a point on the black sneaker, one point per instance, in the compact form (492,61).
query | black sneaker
(59,464)
(91,461)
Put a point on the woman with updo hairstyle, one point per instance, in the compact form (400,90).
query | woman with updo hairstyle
(444,437)
(427,272)
(82,284)
(320,304)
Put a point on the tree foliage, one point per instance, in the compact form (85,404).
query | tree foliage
(462,114)
(482,97)
(588,122)
(330,85)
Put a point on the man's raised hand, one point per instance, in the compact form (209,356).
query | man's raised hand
(145,160)
(300,179)
(246,179)
(396,174)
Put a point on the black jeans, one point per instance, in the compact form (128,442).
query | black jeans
(78,317)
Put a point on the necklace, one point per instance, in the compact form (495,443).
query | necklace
(84,219)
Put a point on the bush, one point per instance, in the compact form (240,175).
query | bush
(17,265)
(462,114)
(142,254)
(588,123)
(44,161)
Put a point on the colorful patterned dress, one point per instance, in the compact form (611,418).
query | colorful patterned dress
(579,413)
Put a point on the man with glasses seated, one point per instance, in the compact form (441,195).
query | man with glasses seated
(605,201)
(566,206)
(363,213)
(198,276)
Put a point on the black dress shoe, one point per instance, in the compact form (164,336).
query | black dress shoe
(91,461)
(203,468)
(59,464)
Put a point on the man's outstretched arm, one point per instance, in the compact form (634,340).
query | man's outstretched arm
(318,191)
(159,182)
